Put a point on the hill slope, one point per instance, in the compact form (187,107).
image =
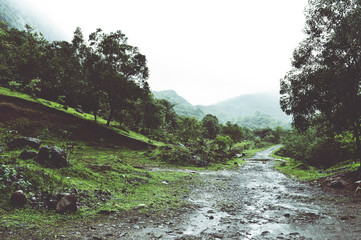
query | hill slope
(53,117)
(245,105)
(249,110)
(182,106)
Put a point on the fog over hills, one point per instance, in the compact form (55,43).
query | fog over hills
(256,110)
(16,15)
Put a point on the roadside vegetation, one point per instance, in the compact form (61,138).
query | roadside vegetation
(91,100)
(322,92)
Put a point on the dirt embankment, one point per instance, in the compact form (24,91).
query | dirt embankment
(31,115)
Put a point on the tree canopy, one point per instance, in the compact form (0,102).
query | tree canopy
(324,82)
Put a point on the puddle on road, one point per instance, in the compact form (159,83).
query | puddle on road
(205,218)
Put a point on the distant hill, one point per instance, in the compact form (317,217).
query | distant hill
(16,16)
(257,110)
(249,104)
(182,106)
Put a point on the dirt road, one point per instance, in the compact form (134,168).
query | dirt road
(253,202)
(257,202)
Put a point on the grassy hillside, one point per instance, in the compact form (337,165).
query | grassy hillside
(84,118)
(110,171)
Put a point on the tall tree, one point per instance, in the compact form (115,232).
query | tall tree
(124,69)
(325,79)
(211,126)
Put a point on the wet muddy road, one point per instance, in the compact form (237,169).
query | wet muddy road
(253,202)
(257,202)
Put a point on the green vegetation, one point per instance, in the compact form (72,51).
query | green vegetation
(322,90)
(107,177)
(304,172)
(91,99)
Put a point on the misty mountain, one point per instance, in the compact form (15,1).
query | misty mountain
(17,15)
(249,104)
(259,110)
(182,106)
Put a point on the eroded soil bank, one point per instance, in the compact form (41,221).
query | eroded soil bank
(253,202)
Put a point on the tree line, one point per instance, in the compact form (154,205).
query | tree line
(322,91)
(107,77)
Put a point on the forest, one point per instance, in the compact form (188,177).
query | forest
(105,76)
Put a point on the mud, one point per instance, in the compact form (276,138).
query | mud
(253,202)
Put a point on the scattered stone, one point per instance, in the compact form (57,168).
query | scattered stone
(141,206)
(344,218)
(18,199)
(27,154)
(52,156)
(338,183)
(265,232)
(287,215)
(240,155)
(25,142)
(211,217)
(79,110)
(210,211)
(67,203)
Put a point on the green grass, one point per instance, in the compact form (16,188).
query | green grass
(85,116)
(105,177)
(93,169)
(298,170)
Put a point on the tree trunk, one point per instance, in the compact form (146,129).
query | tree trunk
(358,143)
(95,115)
(110,116)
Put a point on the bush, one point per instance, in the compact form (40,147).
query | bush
(312,148)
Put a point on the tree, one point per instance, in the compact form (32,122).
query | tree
(189,129)
(91,96)
(233,131)
(210,126)
(124,70)
(324,82)
(62,74)
(224,142)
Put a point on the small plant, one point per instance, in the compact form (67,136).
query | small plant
(33,87)
(14,86)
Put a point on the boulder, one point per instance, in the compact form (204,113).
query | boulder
(27,154)
(67,203)
(25,142)
(52,156)
(18,199)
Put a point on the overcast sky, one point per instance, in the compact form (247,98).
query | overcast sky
(205,50)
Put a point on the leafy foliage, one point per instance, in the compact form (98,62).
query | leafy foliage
(323,85)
